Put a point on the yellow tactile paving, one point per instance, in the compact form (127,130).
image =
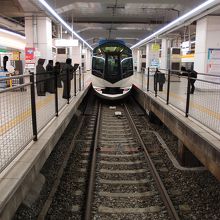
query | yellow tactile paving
(21,117)
(198,106)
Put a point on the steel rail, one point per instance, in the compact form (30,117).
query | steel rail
(165,197)
(89,199)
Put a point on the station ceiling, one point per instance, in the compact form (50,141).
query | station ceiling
(131,20)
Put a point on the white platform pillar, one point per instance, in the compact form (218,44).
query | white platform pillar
(76,55)
(164,53)
(38,31)
(207,37)
(134,55)
(147,55)
(88,60)
(139,60)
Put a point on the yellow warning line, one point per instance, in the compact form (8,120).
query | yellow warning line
(21,117)
(198,107)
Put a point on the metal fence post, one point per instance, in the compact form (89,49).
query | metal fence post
(155,82)
(33,107)
(142,78)
(83,78)
(56,93)
(148,78)
(74,73)
(79,78)
(68,85)
(168,87)
(188,97)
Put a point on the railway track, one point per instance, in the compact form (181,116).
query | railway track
(107,173)
(124,183)
(67,196)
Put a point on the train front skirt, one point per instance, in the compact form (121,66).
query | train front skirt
(112,93)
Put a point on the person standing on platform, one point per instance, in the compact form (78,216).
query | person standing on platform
(67,76)
(160,78)
(40,78)
(193,75)
(50,76)
(57,69)
(5,60)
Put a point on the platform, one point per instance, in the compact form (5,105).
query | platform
(203,142)
(19,175)
(204,105)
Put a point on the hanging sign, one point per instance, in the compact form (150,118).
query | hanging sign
(66,43)
(155,47)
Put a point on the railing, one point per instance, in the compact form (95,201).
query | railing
(203,105)
(24,111)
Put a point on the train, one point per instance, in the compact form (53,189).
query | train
(112,69)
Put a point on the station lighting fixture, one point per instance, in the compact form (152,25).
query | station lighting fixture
(51,10)
(178,21)
(12,33)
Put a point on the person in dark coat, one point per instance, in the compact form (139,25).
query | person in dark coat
(57,69)
(193,75)
(67,69)
(5,60)
(41,78)
(50,75)
(160,78)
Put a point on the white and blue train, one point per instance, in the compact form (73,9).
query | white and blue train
(112,69)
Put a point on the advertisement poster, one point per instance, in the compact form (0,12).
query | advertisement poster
(16,55)
(29,54)
(213,61)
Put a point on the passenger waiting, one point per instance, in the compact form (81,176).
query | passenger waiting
(159,78)
(67,69)
(40,78)
(57,69)
(193,75)
(50,75)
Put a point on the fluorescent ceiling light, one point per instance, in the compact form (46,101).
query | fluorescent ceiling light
(178,21)
(51,10)
(12,33)
(11,43)
(66,43)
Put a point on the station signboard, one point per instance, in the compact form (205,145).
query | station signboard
(66,43)
(213,61)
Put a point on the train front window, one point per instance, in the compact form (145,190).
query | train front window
(98,66)
(113,64)
(113,72)
(126,67)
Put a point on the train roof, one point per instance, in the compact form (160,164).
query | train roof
(101,42)
(114,46)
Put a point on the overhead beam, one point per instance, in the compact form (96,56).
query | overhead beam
(117,21)
(186,19)
(11,25)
